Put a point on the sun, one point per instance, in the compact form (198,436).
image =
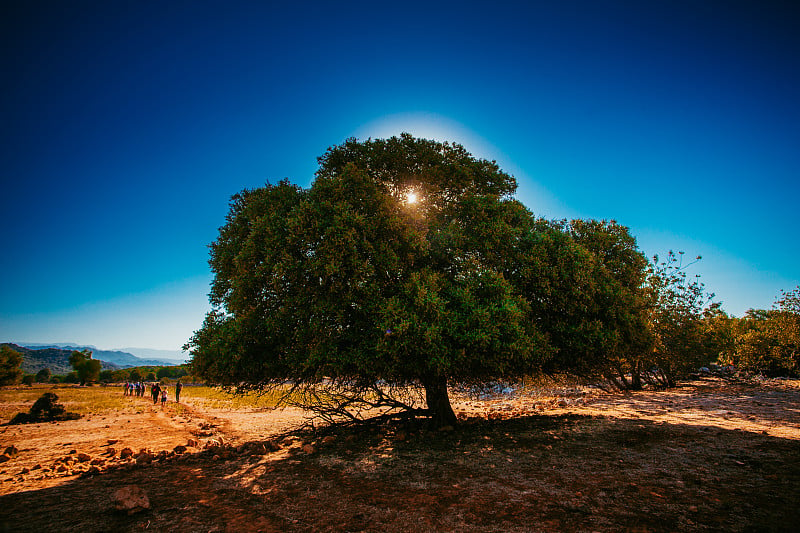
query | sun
(411,198)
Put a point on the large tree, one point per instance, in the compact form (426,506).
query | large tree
(406,264)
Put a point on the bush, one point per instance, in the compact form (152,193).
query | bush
(43,375)
(45,409)
(28,379)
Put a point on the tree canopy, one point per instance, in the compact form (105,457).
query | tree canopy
(87,369)
(10,362)
(409,263)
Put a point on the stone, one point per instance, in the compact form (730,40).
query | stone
(192,443)
(125,453)
(144,458)
(329,439)
(11,451)
(180,449)
(130,499)
(4,457)
(308,449)
(111,452)
(83,457)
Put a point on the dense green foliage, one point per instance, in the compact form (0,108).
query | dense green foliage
(88,369)
(408,262)
(10,361)
(767,341)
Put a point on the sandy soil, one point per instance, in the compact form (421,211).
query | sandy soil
(708,456)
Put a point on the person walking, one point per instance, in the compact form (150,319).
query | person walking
(178,388)
(156,391)
(163,397)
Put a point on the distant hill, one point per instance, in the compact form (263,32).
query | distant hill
(174,357)
(56,359)
(122,359)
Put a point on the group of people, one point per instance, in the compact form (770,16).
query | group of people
(137,388)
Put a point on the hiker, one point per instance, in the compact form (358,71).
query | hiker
(163,397)
(125,389)
(156,390)
(178,387)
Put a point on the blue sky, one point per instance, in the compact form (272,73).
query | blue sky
(127,126)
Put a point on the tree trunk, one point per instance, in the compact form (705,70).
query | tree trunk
(636,376)
(441,412)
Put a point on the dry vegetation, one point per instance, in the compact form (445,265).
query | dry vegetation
(708,456)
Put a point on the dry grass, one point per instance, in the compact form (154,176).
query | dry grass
(709,456)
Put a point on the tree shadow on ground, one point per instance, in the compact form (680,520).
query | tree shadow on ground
(534,473)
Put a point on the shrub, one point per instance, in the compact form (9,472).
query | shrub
(45,409)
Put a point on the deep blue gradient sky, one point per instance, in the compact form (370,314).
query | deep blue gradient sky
(127,126)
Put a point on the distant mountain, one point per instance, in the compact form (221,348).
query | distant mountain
(119,358)
(174,357)
(56,359)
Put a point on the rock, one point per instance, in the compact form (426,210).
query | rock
(37,467)
(62,468)
(179,449)
(24,471)
(272,445)
(83,457)
(97,462)
(192,443)
(4,457)
(131,499)
(329,439)
(111,452)
(221,441)
(308,449)
(11,451)
(112,441)
(144,458)
(125,453)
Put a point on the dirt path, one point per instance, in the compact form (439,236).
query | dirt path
(709,456)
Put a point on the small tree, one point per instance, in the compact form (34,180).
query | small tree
(43,375)
(681,308)
(28,379)
(768,341)
(88,369)
(10,361)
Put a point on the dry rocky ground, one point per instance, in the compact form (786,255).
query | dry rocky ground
(711,455)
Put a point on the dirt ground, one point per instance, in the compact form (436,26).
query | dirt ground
(711,455)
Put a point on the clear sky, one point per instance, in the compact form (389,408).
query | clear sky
(125,127)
